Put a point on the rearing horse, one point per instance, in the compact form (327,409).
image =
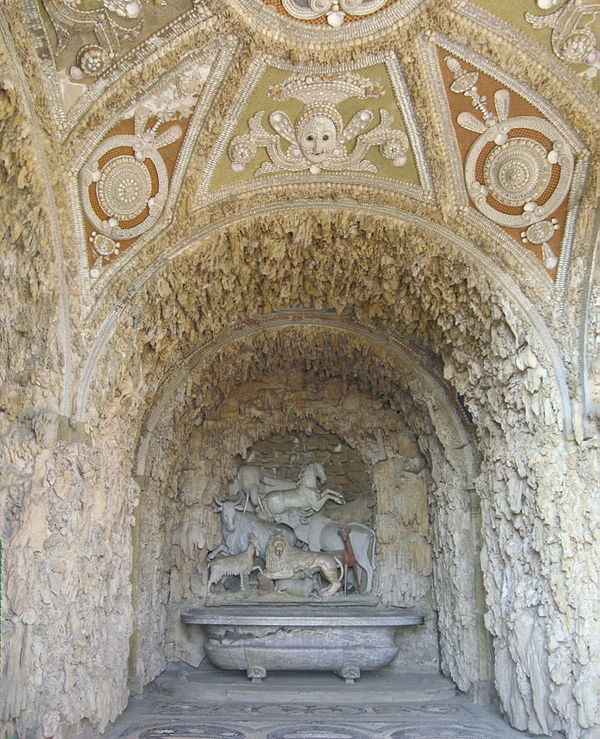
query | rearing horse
(305,495)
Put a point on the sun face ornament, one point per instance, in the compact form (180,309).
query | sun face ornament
(318,139)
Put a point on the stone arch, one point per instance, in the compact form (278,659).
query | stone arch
(487,340)
(387,224)
(406,356)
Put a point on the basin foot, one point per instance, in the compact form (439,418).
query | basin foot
(256,673)
(349,673)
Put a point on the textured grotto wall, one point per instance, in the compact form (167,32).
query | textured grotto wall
(30,381)
(540,558)
(64,507)
(152,551)
(539,526)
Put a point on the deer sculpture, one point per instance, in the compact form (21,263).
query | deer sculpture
(347,558)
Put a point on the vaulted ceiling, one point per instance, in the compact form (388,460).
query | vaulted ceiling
(422,171)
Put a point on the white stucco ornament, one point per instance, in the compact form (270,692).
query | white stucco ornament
(573,37)
(519,170)
(334,10)
(108,20)
(318,137)
(123,193)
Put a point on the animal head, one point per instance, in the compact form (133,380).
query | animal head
(313,468)
(254,543)
(229,512)
(278,544)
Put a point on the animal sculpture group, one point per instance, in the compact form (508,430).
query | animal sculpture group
(279,521)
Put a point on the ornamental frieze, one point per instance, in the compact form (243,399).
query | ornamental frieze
(126,185)
(318,138)
(85,46)
(569,30)
(518,170)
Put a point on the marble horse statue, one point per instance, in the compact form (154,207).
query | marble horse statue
(304,495)
(255,483)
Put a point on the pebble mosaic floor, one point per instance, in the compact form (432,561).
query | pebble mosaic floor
(163,714)
(175,720)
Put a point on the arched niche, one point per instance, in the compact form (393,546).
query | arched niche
(378,397)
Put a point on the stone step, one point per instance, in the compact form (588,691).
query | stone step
(209,683)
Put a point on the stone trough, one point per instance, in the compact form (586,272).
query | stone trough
(258,638)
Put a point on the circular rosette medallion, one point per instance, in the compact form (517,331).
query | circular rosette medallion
(519,171)
(125,187)
(123,191)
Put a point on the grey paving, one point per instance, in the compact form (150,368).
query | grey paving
(213,704)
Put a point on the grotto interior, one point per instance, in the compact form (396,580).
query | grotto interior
(239,231)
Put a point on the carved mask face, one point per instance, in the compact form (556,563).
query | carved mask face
(317,138)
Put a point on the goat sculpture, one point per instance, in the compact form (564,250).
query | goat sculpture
(241,564)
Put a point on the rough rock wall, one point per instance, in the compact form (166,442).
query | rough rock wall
(64,507)
(30,378)
(455,554)
(540,566)
(148,583)
(539,513)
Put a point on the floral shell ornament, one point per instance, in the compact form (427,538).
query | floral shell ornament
(573,38)
(124,184)
(519,170)
(334,10)
(109,20)
(317,140)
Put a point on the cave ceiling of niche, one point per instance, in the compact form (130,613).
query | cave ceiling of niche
(311,273)
(301,374)
(319,275)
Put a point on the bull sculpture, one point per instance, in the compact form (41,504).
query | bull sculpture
(237,525)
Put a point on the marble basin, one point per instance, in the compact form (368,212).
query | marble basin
(345,639)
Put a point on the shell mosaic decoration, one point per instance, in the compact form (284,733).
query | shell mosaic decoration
(124,185)
(519,170)
(317,139)
(573,38)
(109,22)
(125,182)
(336,11)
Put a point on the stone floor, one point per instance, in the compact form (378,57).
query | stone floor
(213,704)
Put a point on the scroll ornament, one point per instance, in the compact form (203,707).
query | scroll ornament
(334,10)
(573,38)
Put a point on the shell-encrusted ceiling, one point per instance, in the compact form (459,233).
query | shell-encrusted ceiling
(167,128)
